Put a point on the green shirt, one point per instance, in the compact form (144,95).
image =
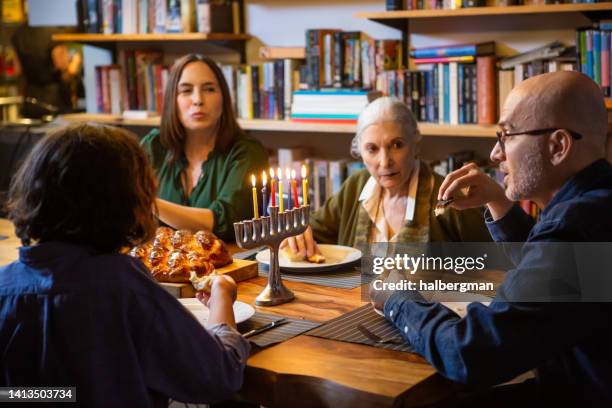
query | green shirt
(343,220)
(224,187)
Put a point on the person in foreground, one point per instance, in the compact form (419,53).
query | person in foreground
(551,147)
(201,157)
(393,198)
(76,312)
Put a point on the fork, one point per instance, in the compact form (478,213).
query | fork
(377,339)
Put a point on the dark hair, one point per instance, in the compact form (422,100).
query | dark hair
(85,183)
(172,131)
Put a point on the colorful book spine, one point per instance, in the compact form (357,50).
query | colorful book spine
(461,93)
(446,93)
(605,62)
(597,57)
(589,54)
(454,93)
(461,51)
(465,59)
(486,90)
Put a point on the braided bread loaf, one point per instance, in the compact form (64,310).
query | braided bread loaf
(173,255)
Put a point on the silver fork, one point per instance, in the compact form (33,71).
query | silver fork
(377,339)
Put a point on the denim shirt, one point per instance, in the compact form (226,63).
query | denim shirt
(72,316)
(567,343)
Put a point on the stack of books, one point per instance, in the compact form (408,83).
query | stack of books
(329,105)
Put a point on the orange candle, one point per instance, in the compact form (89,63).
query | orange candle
(280,190)
(255,208)
(304,186)
(294,189)
(272,189)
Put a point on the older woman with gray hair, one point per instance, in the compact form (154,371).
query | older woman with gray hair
(394,197)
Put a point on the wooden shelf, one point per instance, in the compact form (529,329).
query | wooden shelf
(291,126)
(486,11)
(427,129)
(110,119)
(101,38)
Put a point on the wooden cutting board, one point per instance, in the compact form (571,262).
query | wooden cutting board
(239,269)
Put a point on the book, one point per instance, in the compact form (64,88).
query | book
(215,16)
(551,50)
(282,53)
(394,5)
(487,90)
(174,23)
(443,59)
(505,84)
(453,94)
(461,50)
(89,16)
(188,16)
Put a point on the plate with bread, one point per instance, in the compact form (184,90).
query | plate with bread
(242,311)
(331,257)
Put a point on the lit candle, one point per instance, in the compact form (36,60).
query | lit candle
(288,177)
(279,173)
(264,192)
(294,189)
(255,208)
(272,189)
(304,186)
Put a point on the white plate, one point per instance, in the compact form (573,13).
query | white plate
(242,311)
(335,257)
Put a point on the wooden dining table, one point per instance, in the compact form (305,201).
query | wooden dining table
(309,371)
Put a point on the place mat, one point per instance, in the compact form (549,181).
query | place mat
(278,334)
(344,328)
(347,277)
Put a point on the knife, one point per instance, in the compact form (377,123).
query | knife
(265,327)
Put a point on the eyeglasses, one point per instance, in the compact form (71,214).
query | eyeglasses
(502,134)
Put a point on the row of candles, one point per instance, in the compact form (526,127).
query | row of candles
(274,181)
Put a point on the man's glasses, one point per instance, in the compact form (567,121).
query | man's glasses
(502,134)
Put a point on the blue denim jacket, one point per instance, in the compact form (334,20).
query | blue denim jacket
(72,316)
(568,343)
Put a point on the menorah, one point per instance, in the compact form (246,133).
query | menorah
(271,231)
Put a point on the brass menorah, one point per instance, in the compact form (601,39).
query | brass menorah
(271,231)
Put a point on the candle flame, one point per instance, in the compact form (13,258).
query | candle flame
(264,177)
(287,173)
(303,171)
(253,181)
(271,173)
(293,174)
(279,173)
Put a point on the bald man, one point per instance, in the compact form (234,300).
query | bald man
(551,148)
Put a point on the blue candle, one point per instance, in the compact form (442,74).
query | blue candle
(264,192)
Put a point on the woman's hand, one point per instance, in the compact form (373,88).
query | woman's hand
(303,244)
(220,301)
(471,187)
(222,287)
